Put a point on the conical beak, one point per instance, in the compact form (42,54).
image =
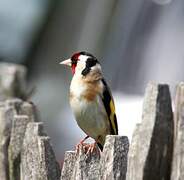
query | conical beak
(66,62)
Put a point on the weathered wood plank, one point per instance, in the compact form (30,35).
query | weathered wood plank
(6,114)
(81,166)
(87,166)
(134,146)
(68,165)
(37,158)
(12,129)
(15,114)
(114,158)
(150,156)
(178,155)
(18,129)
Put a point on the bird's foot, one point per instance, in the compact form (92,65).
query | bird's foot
(91,148)
(87,148)
(81,144)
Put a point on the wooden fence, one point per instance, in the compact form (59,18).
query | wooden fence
(155,153)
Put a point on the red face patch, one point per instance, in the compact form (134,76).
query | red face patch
(74,59)
(75,56)
(73,68)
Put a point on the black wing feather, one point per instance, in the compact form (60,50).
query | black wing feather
(107,101)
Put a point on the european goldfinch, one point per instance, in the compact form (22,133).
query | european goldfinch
(91,99)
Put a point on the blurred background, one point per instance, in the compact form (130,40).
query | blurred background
(135,41)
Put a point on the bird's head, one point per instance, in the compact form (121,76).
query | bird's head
(82,62)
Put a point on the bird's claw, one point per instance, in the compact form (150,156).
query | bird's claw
(87,148)
(78,146)
(91,148)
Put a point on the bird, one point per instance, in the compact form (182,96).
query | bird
(91,99)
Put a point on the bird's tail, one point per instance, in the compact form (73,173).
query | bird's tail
(100,146)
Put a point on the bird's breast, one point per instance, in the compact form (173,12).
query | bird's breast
(86,103)
(90,117)
(82,88)
(88,110)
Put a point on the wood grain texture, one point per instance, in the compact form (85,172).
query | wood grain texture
(178,155)
(150,154)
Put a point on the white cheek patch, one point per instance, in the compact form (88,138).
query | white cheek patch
(81,64)
(83,58)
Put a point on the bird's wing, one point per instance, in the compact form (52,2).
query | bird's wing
(110,108)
